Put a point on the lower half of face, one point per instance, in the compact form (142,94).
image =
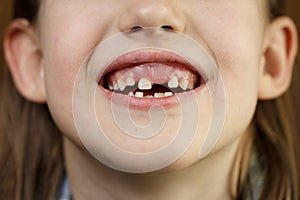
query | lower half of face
(149,104)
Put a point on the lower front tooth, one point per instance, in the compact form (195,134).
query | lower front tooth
(168,94)
(139,94)
(149,96)
(159,95)
(131,94)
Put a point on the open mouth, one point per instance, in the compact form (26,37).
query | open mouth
(151,80)
(150,75)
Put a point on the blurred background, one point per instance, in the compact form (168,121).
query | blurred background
(293,9)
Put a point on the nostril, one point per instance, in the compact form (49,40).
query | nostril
(136,28)
(139,28)
(167,28)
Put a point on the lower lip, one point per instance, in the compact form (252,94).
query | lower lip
(147,103)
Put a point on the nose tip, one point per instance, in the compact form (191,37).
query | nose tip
(152,13)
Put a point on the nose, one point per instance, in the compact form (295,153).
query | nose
(166,14)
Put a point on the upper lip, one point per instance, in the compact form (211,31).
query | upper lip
(139,57)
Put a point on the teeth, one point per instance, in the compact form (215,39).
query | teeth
(139,94)
(110,87)
(122,85)
(184,84)
(173,83)
(168,94)
(159,95)
(144,84)
(115,85)
(191,86)
(156,95)
(130,82)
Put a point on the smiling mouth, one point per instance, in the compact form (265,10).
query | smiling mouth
(142,79)
(150,75)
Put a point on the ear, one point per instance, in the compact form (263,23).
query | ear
(280,49)
(24,58)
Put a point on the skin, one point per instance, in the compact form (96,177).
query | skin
(255,60)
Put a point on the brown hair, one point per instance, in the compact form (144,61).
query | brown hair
(276,144)
(31,159)
(275,141)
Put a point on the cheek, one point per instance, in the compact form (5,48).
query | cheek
(234,38)
(59,86)
(62,64)
(68,35)
(239,63)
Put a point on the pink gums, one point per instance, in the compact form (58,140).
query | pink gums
(157,73)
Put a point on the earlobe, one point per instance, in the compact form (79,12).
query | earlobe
(24,58)
(279,53)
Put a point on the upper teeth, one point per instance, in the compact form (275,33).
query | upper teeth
(173,83)
(122,85)
(130,81)
(184,84)
(191,86)
(115,86)
(110,87)
(144,84)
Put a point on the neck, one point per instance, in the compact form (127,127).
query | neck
(207,179)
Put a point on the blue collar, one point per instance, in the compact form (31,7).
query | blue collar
(65,192)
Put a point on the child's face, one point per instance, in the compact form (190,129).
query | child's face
(231,31)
